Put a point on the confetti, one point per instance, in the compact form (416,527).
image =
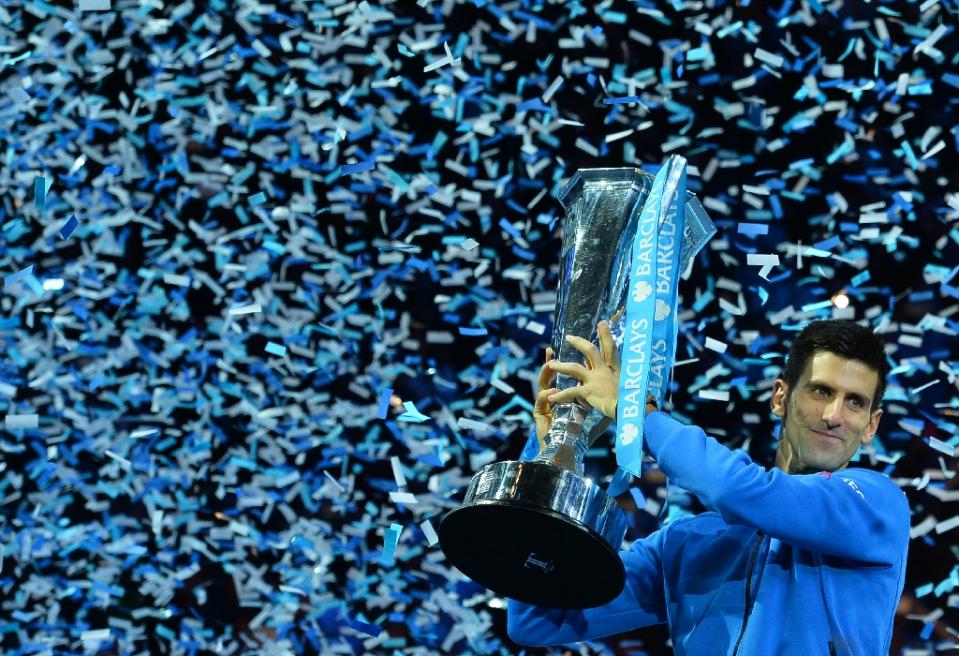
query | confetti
(21,421)
(275,349)
(941,446)
(20,275)
(429,532)
(412,414)
(358,167)
(390,541)
(714,395)
(402,497)
(40,194)
(715,345)
(317,271)
(398,474)
(68,227)
(245,309)
(384,403)
(95,634)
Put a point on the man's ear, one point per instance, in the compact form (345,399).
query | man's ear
(872,427)
(778,400)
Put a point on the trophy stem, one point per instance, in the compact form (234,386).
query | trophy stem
(566,442)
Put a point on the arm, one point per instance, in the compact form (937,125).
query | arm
(641,603)
(853,513)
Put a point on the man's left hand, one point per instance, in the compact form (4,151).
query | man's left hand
(598,378)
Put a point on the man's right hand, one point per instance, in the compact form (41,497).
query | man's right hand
(542,408)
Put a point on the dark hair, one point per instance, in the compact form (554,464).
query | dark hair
(842,337)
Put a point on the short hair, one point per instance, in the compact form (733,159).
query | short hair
(842,337)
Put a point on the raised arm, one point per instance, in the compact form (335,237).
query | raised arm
(853,513)
(641,603)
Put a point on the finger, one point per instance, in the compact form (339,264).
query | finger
(609,346)
(567,395)
(543,416)
(588,349)
(614,358)
(546,376)
(617,315)
(549,353)
(542,404)
(573,369)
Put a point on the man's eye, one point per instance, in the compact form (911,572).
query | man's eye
(856,402)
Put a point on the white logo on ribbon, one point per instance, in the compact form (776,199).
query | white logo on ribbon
(641,291)
(662,309)
(630,433)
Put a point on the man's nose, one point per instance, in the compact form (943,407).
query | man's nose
(832,413)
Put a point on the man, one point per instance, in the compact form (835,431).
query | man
(804,559)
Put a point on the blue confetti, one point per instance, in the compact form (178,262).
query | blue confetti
(22,274)
(390,539)
(359,167)
(275,349)
(69,227)
(40,194)
(384,403)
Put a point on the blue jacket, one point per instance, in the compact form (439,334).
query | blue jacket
(783,565)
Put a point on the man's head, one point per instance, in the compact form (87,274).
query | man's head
(829,394)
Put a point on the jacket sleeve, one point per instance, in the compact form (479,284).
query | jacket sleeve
(853,513)
(641,603)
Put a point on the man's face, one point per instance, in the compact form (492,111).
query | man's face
(825,414)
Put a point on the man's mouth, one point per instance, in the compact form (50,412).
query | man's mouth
(828,437)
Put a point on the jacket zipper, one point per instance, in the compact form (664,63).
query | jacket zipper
(749,576)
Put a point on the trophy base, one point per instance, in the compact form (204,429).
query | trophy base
(538,533)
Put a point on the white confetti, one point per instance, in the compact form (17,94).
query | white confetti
(402,497)
(715,345)
(429,532)
(942,447)
(397,472)
(714,395)
(22,421)
(245,309)
(947,524)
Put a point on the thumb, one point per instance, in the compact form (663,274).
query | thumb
(543,414)
(542,405)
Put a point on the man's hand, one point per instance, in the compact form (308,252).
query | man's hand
(650,403)
(599,378)
(542,408)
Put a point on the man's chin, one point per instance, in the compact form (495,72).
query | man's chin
(816,466)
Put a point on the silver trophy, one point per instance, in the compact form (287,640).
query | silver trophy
(539,531)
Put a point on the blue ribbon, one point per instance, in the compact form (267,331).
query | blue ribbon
(650,328)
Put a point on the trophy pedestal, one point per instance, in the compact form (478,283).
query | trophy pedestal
(538,533)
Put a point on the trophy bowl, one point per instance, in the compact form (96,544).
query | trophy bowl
(539,533)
